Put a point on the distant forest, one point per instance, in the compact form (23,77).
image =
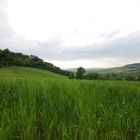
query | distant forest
(8,58)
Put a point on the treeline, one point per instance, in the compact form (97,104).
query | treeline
(114,76)
(81,74)
(8,58)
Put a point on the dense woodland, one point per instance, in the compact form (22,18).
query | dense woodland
(8,58)
(114,76)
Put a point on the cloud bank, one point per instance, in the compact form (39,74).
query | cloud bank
(112,45)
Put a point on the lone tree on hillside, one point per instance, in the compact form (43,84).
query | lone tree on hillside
(71,75)
(80,73)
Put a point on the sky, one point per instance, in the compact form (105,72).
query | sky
(73,33)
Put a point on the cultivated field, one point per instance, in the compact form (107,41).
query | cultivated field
(40,105)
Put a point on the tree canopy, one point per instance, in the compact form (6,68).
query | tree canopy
(8,58)
(80,73)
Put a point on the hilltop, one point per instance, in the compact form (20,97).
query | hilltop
(8,58)
(135,67)
(130,68)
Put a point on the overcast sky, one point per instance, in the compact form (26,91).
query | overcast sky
(72,33)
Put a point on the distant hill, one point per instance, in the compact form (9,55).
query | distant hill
(135,65)
(94,69)
(87,69)
(126,68)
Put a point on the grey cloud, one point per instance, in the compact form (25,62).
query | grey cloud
(126,47)
(19,45)
(51,49)
(110,35)
(122,48)
(5,29)
(9,39)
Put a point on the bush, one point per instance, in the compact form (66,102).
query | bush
(71,76)
(92,76)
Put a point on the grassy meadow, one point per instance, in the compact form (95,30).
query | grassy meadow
(40,105)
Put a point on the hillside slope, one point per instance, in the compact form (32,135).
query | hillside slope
(127,68)
(28,72)
(8,58)
(57,109)
(135,65)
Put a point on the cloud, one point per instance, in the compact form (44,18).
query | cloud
(9,39)
(110,35)
(113,46)
(5,29)
(125,47)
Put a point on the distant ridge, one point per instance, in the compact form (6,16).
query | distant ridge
(87,69)
(129,68)
(126,68)
(134,65)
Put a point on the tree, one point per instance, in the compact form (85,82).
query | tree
(8,58)
(80,73)
(138,76)
(71,75)
(92,76)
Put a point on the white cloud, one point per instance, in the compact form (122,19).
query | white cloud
(77,22)
(70,33)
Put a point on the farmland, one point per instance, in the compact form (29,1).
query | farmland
(40,105)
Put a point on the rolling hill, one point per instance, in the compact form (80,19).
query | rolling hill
(28,72)
(37,104)
(126,68)
(9,58)
(135,65)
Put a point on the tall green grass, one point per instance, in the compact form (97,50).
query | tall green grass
(33,108)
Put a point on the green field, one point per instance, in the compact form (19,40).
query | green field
(30,73)
(40,105)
